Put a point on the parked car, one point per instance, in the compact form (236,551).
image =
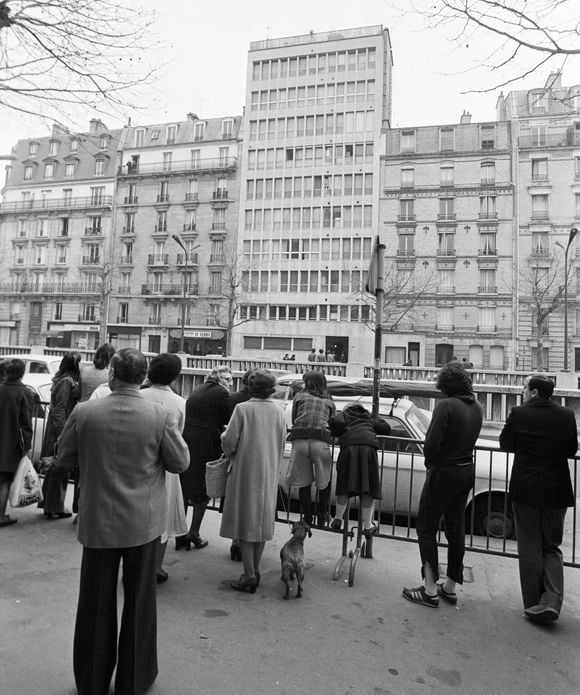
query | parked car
(40,385)
(402,462)
(37,364)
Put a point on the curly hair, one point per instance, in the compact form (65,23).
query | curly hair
(164,368)
(453,380)
(261,383)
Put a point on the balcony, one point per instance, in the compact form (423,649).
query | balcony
(189,227)
(88,202)
(158,259)
(488,182)
(131,200)
(163,198)
(93,231)
(446,217)
(218,226)
(487,251)
(446,289)
(160,228)
(91,260)
(406,218)
(214,164)
(446,253)
(540,214)
(220,194)
(487,329)
(487,289)
(217,258)
(126,260)
(544,140)
(488,215)
(49,288)
(124,290)
(181,259)
(162,290)
(128,230)
(191,197)
(445,327)
(87,318)
(405,253)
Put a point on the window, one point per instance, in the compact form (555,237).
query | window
(74,145)
(446,209)
(445,279)
(28,172)
(163,195)
(446,139)
(577,200)
(123,312)
(198,131)
(446,173)
(406,245)
(538,101)
(487,134)
(407,210)
(62,254)
(407,178)
(538,135)
(155,314)
(104,142)
(215,282)
(227,127)
(167,157)
(97,195)
(171,133)
(33,148)
(488,244)
(539,243)
(446,243)
(487,208)
(444,318)
(58,311)
(487,282)
(49,171)
(487,173)
(99,167)
(139,137)
(407,141)
(53,148)
(540,206)
(486,320)
(69,170)
(539,169)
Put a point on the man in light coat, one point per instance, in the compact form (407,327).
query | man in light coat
(122,444)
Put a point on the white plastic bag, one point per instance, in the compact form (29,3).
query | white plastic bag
(25,488)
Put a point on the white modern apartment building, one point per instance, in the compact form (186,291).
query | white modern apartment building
(316,107)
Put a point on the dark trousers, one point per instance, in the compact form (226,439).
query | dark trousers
(95,640)
(540,560)
(444,494)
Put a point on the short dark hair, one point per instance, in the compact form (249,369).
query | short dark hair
(13,369)
(246,376)
(129,365)
(103,354)
(453,380)
(261,383)
(542,385)
(164,368)
(315,382)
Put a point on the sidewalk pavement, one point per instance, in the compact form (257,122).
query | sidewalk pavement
(359,640)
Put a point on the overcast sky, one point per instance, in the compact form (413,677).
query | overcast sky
(207,46)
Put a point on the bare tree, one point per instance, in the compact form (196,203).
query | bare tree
(59,55)
(403,293)
(521,36)
(542,290)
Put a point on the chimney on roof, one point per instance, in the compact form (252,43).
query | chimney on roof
(58,130)
(96,126)
(465,117)
(192,116)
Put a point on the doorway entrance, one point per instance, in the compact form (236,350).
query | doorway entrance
(338,346)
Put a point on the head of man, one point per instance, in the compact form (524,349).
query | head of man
(537,387)
(127,369)
(164,368)
(453,380)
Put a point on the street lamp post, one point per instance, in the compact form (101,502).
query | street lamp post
(179,241)
(571,236)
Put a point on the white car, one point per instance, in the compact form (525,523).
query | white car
(40,384)
(402,463)
(37,364)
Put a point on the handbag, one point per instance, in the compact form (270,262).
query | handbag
(25,488)
(216,474)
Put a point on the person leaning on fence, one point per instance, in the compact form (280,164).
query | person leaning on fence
(449,443)
(16,407)
(357,468)
(311,457)
(543,435)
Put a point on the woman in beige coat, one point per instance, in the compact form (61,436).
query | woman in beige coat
(254,441)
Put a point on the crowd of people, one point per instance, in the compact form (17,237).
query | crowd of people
(137,452)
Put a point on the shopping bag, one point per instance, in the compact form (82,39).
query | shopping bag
(25,488)
(216,473)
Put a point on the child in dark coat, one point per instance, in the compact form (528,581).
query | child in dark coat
(357,466)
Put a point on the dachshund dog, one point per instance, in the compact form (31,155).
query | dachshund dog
(292,557)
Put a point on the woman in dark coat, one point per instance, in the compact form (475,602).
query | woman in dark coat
(64,395)
(207,412)
(15,429)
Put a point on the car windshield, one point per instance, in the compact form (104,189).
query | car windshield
(419,420)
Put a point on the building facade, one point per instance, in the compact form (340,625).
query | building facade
(175,223)
(316,106)
(55,230)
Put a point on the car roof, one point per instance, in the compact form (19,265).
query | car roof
(351,387)
(37,380)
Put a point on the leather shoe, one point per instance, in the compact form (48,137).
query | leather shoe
(541,614)
(162,576)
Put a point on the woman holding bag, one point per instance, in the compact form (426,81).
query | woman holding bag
(15,429)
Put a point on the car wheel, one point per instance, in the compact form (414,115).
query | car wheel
(492,518)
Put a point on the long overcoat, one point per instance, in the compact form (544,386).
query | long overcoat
(254,441)
(15,417)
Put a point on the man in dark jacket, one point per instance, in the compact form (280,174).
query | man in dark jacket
(543,436)
(449,442)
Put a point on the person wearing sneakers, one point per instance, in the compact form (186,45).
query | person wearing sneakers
(357,468)
(543,435)
(449,442)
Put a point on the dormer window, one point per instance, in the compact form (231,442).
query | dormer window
(33,148)
(99,167)
(49,170)
(198,131)
(74,145)
(104,142)
(69,170)
(53,148)
(171,133)
(539,101)
(28,172)
(227,127)
(139,137)
(155,135)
